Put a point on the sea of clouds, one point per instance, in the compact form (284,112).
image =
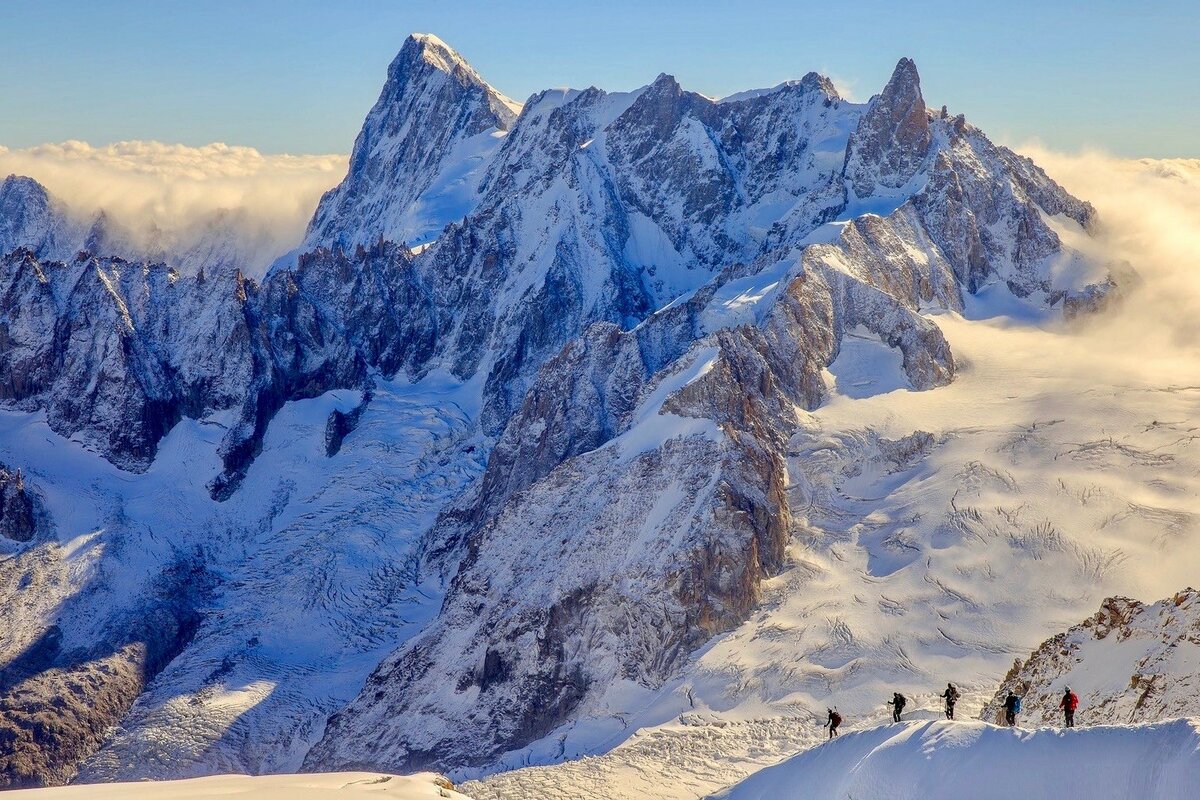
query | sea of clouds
(1148,218)
(176,196)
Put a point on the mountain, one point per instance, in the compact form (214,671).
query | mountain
(497,497)
(1131,662)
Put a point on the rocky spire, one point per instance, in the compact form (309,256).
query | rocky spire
(893,136)
(432,102)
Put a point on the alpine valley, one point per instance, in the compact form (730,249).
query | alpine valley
(587,447)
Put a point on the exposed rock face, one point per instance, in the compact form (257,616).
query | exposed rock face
(1131,662)
(116,352)
(892,138)
(57,705)
(17,521)
(340,424)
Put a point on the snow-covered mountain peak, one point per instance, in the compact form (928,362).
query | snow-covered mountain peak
(21,186)
(426,49)
(417,161)
(434,51)
(811,81)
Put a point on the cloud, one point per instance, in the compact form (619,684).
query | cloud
(1149,216)
(176,194)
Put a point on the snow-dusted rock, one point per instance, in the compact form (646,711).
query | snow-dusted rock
(1131,662)
(31,218)
(17,519)
(890,142)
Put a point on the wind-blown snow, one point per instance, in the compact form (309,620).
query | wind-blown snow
(193,206)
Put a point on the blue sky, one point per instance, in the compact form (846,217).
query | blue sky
(299,76)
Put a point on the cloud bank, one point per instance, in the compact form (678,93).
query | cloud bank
(1149,214)
(182,197)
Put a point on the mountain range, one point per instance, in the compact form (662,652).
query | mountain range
(554,427)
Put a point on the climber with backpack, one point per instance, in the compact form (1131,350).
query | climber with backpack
(1012,707)
(832,723)
(1070,702)
(951,695)
(897,703)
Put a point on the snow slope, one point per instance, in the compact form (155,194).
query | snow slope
(313,572)
(328,786)
(952,760)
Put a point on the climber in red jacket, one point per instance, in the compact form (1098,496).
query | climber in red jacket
(1070,702)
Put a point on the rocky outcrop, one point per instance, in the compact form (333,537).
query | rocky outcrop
(1129,663)
(57,705)
(17,519)
(341,424)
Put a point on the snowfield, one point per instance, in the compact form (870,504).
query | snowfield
(954,760)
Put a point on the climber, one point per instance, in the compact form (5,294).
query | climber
(1012,707)
(1070,702)
(834,720)
(951,695)
(897,703)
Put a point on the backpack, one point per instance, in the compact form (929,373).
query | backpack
(1017,705)
(1072,701)
(901,701)
(836,719)
(953,695)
